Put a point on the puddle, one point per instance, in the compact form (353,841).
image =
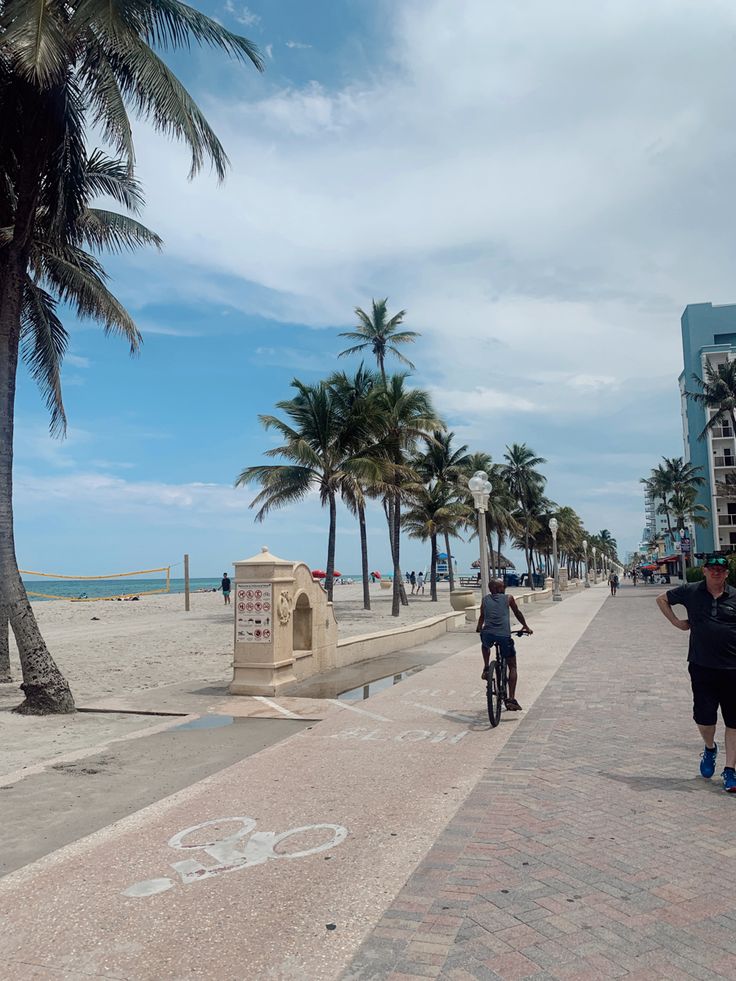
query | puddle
(207,722)
(380,684)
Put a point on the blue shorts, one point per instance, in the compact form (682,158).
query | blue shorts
(505,644)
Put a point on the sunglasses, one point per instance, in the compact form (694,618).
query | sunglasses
(716,564)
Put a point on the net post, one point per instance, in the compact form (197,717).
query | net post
(186,583)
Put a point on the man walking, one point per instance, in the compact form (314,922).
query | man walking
(225,587)
(711,620)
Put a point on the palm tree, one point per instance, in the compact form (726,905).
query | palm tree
(716,392)
(608,542)
(356,408)
(378,333)
(62,67)
(313,445)
(685,510)
(443,464)
(526,484)
(60,267)
(432,511)
(405,417)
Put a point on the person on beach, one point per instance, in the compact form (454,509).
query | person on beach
(613,583)
(711,620)
(225,587)
(494,627)
(413,581)
(420,583)
(633,576)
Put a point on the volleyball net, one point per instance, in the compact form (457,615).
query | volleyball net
(82,597)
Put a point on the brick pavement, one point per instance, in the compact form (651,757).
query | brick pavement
(592,848)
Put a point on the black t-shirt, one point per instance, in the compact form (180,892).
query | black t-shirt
(225,584)
(712,624)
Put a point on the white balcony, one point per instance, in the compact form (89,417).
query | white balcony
(727,519)
(724,461)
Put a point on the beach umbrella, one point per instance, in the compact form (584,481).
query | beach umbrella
(376,574)
(318,574)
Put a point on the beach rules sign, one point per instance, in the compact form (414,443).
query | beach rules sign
(253,608)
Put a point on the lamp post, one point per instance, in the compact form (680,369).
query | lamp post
(595,566)
(682,555)
(553,526)
(585,550)
(480,487)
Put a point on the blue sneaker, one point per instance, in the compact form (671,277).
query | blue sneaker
(708,762)
(729,780)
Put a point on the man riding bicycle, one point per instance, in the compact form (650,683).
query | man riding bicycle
(494,627)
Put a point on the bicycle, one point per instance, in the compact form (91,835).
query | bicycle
(497,683)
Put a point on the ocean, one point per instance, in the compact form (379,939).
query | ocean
(96,588)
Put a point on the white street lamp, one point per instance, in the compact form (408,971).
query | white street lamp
(585,550)
(595,566)
(480,487)
(682,555)
(553,526)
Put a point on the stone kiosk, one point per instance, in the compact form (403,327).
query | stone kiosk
(285,629)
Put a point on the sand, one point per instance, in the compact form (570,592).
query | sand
(133,647)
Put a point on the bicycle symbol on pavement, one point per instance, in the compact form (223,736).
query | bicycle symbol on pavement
(230,855)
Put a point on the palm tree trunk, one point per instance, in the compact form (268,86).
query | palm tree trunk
(450,573)
(5,676)
(364,557)
(45,688)
(433,570)
(491,559)
(527,553)
(499,540)
(395,549)
(329,578)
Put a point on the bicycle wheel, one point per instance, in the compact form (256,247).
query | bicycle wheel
(493,692)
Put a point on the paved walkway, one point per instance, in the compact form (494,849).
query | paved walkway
(279,865)
(591,848)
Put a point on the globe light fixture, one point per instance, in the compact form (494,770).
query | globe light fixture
(553,527)
(585,550)
(595,566)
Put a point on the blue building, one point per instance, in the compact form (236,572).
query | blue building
(709,333)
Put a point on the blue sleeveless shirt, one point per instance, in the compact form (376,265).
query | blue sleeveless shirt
(496,616)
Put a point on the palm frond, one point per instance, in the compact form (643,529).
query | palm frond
(43,344)
(35,41)
(100,229)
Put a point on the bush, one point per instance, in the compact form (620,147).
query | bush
(695,575)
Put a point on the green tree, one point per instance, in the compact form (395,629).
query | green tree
(444,464)
(526,485)
(357,408)
(432,511)
(716,393)
(314,446)
(379,333)
(64,66)
(406,418)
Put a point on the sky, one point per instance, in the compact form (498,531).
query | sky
(542,187)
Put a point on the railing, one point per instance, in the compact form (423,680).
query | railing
(727,519)
(724,461)
(722,432)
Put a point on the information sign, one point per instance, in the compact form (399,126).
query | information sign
(253,606)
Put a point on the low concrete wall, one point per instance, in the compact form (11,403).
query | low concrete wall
(367,646)
(523,599)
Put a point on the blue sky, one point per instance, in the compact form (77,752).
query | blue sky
(542,189)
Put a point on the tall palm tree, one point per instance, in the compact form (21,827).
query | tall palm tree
(356,407)
(64,66)
(526,484)
(716,392)
(432,511)
(60,267)
(379,333)
(312,443)
(608,542)
(406,417)
(442,463)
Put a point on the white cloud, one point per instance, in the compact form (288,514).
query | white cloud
(242,14)
(77,361)
(299,45)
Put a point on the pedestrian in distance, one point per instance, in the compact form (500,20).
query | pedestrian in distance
(420,583)
(613,583)
(225,586)
(413,581)
(711,621)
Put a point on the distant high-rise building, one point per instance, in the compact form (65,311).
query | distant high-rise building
(709,334)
